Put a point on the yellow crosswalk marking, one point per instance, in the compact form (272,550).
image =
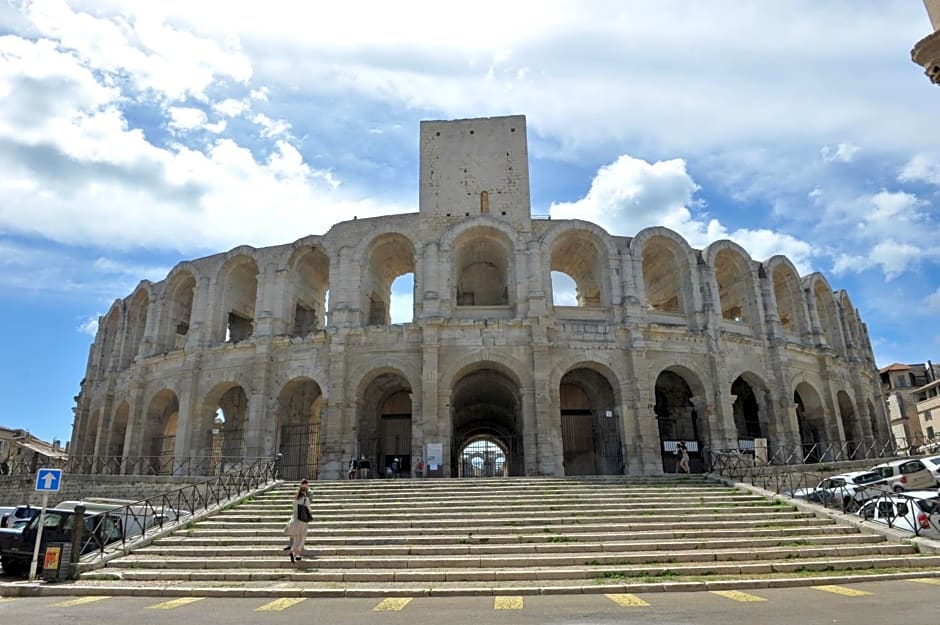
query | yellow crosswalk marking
(626,600)
(280,604)
(7,599)
(79,601)
(842,590)
(928,580)
(392,604)
(508,603)
(737,595)
(175,603)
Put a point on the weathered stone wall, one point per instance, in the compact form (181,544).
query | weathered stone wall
(20,489)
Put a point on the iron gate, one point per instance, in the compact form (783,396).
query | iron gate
(300,451)
(482,457)
(591,443)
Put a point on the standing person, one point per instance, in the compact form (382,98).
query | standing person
(683,463)
(297,528)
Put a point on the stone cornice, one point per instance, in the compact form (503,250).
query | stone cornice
(926,53)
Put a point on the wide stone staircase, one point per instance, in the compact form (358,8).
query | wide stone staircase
(510,536)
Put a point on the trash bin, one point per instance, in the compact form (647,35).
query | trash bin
(56,562)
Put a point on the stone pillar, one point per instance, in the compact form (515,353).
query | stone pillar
(642,444)
(200,331)
(630,269)
(534,282)
(431,305)
(339,431)
(548,441)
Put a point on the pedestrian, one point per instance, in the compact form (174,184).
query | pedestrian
(683,452)
(296,530)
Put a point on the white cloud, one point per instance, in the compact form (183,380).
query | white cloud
(186,118)
(272,127)
(894,205)
(89,327)
(230,107)
(844,153)
(921,168)
(894,257)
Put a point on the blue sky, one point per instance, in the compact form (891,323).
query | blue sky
(135,136)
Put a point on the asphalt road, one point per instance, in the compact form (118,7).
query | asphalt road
(874,603)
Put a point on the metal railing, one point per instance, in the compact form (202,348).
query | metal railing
(137,465)
(871,501)
(133,522)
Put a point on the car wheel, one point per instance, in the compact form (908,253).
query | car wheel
(13,566)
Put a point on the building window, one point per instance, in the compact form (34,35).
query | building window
(930,433)
(928,416)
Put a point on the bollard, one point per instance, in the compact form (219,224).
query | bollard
(78,529)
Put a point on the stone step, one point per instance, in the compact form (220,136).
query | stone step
(492,510)
(262,558)
(173,547)
(309,570)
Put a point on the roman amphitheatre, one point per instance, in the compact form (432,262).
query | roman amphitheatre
(289,351)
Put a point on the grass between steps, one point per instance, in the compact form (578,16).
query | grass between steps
(667,575)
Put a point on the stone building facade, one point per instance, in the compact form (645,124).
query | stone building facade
(292,346)
(926,52)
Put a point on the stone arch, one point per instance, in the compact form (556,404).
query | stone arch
(736,297)
(135,324)
(827,312)
(114,455)
(580,251)
(850,425)
(108,333)
(483,268)
(486,403)
(176,316)
(162,419)
(308,287)
(667,271)
(751,407)
(810,417)
(853,331)
(483,455)
(592,441)
(219,447)
(788,293)
(679,394)
(90,439)
(385,420)
(298,420)
(237,289)
(386,258)
(878,429)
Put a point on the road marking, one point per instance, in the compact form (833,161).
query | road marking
(280,604)
(928,580)
(842,590)
(392,604)
(79,601)
(625,600)
(7,599)
(737,595)
(175,603)
(508,603)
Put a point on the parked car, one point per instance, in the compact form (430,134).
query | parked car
(19,517)
(913,511)
(903,475)
(933,465)
(842,487)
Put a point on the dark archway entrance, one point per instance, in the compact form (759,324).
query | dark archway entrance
(678,420)
(590,428)
(809,416)
(385,425)
(487,415)
(298,417)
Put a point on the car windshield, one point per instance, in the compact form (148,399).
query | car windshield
(930,506)
(867,478)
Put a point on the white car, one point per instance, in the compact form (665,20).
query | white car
(839,488)
(903,475)
(914,511)
(933,464)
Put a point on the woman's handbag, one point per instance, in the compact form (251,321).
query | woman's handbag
(303,513)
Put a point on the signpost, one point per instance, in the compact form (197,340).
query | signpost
(47,481)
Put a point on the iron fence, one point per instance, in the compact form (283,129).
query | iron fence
(138,465)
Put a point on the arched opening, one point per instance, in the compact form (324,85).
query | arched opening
(850,425)
(108,342)
(177,312)
(299,407)
(576,255)
(134,327)
(590,427)
(220,430)
(239,293)
(828,316)
(388,258)
(311,282)
(114,457)
(733,278)
(483,268)
(160,433)
(747,413)
(564,290)
(483,456)
(809,416)
(486,404)
(789,297)
(90,435)
(878,432)
(678,419)
(385,424)
(663,276)
(403,299)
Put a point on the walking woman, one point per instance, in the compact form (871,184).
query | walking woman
(683,452)
(297,528)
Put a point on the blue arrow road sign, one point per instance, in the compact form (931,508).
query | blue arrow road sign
(48,480)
